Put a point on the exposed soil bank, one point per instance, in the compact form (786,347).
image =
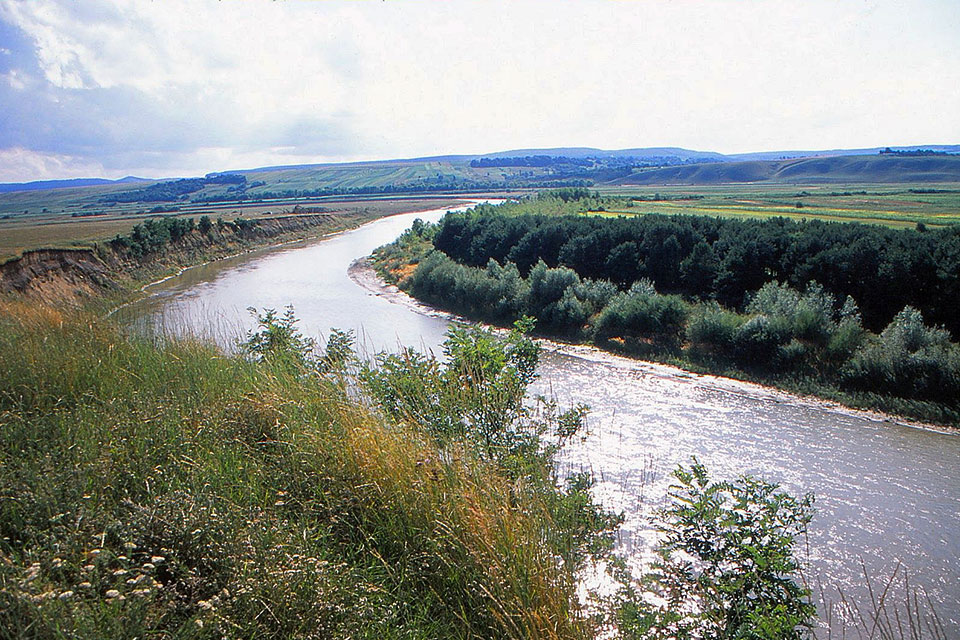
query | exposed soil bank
(75,276)
(54,275)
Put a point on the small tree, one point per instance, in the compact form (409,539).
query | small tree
(726,565)
(278,341)
(475,399)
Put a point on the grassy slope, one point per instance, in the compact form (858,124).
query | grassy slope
(832,170)
(164,488)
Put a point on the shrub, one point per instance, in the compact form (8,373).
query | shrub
(727,566)
(595,294)
(547,287)
(476,400)
(639,314)
(277,341)
(758,339)
(714,329)
(908,359)
(811,315)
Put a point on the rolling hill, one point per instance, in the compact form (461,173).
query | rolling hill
(817,170)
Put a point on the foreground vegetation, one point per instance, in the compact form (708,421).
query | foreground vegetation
(165,488)
(654,298)
(155,487)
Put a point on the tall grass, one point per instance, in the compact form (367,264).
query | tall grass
(163,488)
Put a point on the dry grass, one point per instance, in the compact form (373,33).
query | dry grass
(161,488)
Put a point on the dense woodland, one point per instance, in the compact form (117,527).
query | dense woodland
(836,309)
(709,258)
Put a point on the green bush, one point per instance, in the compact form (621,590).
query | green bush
(909,360)
(810,315)
(548,299)
(727,564)
(477,399)
(713,329)
(638,314)
(758,340)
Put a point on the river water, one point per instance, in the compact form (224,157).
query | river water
(887,494)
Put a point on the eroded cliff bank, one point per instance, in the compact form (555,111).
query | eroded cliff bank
(73,276)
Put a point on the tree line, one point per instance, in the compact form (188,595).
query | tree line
(803,336)
(725,260)
(177,189)
(155,234)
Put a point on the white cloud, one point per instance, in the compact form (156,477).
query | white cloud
(23,165)
(15,79)
(387,79)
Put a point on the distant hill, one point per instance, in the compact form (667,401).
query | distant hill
(785,155)
(40,185)
(532,168)
(834,169)
(589,152)
(678,155)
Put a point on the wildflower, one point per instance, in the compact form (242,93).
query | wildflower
(198,622)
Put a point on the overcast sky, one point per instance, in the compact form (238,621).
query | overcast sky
(117,87)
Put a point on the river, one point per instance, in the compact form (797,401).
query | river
(887,494)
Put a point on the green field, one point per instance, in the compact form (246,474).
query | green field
(888,205)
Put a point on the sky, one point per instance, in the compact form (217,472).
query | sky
(178,88)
